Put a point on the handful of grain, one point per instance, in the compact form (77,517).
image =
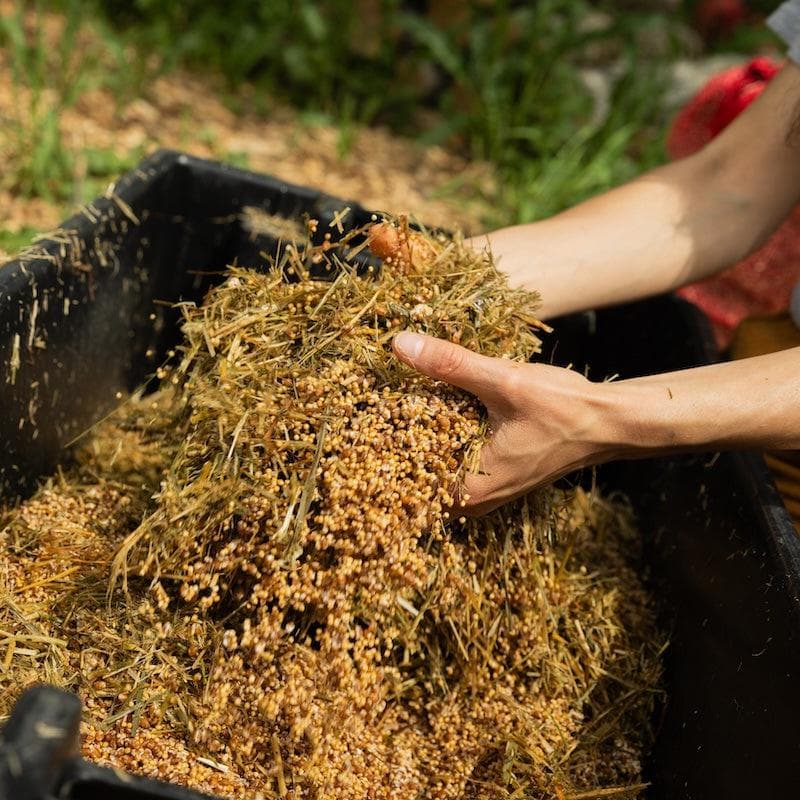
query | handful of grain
(291,610)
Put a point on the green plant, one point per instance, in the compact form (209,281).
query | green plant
(498,81)
(516,98)
(236,158)
(313,54)
(13,241)
(42,165)
(48,75)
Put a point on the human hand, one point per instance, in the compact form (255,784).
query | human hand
(544,421)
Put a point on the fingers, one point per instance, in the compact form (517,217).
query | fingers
(444,361)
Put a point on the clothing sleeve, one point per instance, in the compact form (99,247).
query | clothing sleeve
(785,21)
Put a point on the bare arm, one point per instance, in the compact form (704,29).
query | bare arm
(672,226)
(547,421)
(753,403)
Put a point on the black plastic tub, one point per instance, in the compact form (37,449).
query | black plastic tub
(86,314)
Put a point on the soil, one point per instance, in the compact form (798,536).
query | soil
(187,112)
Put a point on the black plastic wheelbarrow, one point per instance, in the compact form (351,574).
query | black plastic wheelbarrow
(87,314)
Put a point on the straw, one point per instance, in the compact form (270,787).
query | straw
(254,581)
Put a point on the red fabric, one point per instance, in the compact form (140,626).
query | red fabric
(763,282)
(717,104)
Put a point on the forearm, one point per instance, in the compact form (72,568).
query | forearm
(753,403)
(628,243)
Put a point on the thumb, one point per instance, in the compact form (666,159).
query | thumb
(445,361)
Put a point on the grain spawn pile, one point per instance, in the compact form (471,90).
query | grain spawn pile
(252,579)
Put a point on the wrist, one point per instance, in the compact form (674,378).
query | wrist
(610,426)
(641,419)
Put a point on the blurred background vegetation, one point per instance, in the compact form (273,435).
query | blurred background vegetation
(562,98)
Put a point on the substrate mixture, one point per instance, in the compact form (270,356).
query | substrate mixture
(256,581)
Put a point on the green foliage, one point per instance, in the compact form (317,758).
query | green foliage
(13,241)
(592,157)
(309,53)
(517,100)
(42,164)
(498,80)
(45,80)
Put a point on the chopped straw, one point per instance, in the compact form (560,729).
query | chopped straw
(252,579)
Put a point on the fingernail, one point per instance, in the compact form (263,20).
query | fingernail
(408,344)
